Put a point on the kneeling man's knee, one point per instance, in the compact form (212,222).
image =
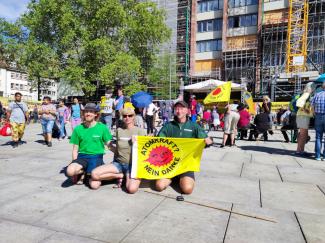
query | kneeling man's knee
(187,189)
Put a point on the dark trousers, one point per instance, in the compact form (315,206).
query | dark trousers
(285,135)
(149,120)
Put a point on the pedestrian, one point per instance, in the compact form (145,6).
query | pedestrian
(139,122)
(230,124)
(149,115)
(17,114)
(89,140)
(118,104)
(288,120)
(182,127)
(260,126)
(164,113)
(244,120)
(121,166)
(106,109)
(194,108)
(76,113)
(207,119)
(63,118)
(35,113)
(318,104)
(216,118)
(48,117)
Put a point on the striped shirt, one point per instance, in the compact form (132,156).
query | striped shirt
(318,102)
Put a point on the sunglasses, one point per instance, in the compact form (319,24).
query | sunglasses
(125,116)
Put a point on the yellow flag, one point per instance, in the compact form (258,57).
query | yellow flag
(220,94)
(249,101)
(155,158)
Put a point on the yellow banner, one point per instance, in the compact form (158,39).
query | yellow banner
(249,101)
(275,106)
(156,158)
(220,94)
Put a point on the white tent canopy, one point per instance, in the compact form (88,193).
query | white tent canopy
(208,86)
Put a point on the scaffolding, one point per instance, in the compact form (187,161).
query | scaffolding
(183,37)
(274,41)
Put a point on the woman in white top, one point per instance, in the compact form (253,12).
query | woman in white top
(150,111)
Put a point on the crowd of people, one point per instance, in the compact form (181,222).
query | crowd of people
(91,127)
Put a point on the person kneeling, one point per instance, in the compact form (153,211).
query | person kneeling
(182,127)
(88,139)
(122,155)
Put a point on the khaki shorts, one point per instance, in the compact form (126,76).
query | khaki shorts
(303,122)
(231,121)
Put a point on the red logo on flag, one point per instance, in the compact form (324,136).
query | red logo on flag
(217,91)
(160,156)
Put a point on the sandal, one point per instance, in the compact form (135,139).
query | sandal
(78,179)
(118,183)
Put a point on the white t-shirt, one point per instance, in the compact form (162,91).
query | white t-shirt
(151,109)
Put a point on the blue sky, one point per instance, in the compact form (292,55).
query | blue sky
(12,9)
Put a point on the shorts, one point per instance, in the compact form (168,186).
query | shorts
(122,167)
(89,162)
(302,122)
(47,125)
(231,121)
(17,130)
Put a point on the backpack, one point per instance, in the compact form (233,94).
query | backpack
(293,103)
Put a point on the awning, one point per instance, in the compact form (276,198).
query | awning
(208,85)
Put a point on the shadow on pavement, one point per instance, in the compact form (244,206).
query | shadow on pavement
(9,143)
(40,141)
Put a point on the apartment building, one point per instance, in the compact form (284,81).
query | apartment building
(246,41)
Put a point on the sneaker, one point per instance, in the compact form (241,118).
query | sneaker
(15,144)
(318,159)
(221,146)
(49,144)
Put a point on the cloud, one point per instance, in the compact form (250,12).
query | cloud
(11,10)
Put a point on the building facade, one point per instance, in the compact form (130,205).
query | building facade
(13,80)
(245,41)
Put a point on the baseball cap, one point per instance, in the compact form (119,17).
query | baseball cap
(128,111)
(91,107)
(182,103)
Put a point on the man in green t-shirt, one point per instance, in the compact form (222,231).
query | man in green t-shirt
(182,127)
(122,155)
(89,140)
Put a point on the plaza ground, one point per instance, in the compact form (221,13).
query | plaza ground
(256,192)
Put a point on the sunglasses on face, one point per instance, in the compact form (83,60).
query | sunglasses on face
(125,116)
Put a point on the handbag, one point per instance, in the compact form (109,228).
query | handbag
(5,130)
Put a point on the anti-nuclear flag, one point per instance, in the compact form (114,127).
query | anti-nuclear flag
(155,158)
(220,94)
(249,101)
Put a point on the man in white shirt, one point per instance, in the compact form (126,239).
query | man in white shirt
(150,111)
(106,109)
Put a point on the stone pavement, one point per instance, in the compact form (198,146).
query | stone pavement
(258,179)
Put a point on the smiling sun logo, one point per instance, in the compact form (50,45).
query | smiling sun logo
(160,156)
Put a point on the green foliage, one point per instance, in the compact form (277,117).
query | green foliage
(163,76)
(91,42)
(134,87)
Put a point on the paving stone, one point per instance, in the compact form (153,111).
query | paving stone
(274,160)
(311,163)
(66,238)
(35,206)
(11,232)
(260,171)
(181,224)
(306,198)
(245,229)
(220,168)
(236,157)
(110,214)
(313,226)
(303,175)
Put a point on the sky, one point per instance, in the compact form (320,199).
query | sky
(12,9)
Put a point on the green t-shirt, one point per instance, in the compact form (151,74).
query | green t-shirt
(182,130)
(91,140)
(124,143)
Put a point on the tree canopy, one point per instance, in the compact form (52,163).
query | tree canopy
(87,42)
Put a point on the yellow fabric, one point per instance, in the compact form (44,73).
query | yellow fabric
(219,94)
(128,105)
(155,158)
(249,101)
(17,130)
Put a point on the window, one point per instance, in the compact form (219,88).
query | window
(13,75)
(209,5)
(21,87)
(209,25)
(209,45)
(241,3)
(12,85)
(242,21)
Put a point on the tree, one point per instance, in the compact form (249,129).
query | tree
(163,76)
(91,41)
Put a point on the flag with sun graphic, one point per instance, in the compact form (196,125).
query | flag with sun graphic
(219,94)
(155,158)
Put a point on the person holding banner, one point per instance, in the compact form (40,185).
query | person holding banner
(182,127)
(122,155)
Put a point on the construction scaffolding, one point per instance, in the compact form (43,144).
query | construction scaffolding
(274,54)
(183,39)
